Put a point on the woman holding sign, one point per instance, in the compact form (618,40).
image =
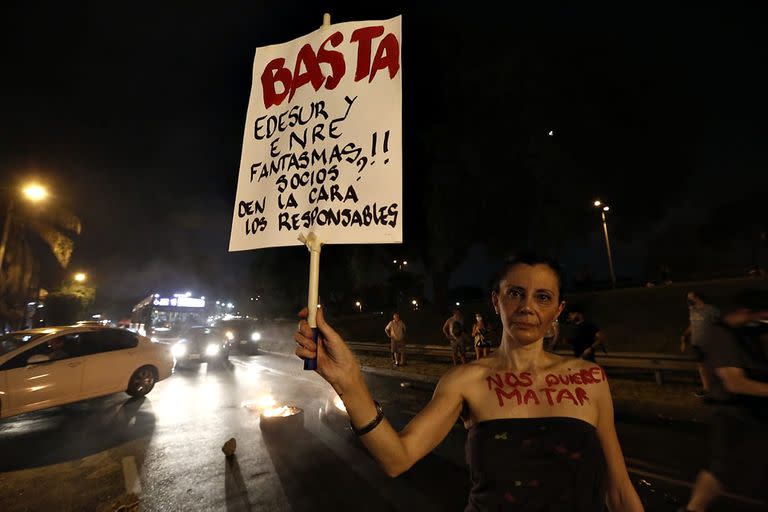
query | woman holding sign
(541,434)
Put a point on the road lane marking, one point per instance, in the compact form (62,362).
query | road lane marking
(683,483)
(131,476)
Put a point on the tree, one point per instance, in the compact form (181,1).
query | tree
(68,304)
(52,228)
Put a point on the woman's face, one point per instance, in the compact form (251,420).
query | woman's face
(694,300)
(528,301)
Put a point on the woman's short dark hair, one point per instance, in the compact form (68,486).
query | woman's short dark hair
(530,258)
(702,298)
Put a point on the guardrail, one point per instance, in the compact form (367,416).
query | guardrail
(652,362)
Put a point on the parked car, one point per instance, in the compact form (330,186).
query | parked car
(201,345)
(243,333)
(52,366)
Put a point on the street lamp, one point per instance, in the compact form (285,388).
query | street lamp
(32,192)
(603,209)
(80,277)
(359,306)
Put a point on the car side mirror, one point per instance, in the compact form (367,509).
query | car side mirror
(38,358)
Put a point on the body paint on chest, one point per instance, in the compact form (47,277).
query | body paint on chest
(516,388)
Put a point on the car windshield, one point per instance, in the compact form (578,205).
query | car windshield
(202,334)
(11,341)
(239,324)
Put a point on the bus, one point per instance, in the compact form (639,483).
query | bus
(164,319)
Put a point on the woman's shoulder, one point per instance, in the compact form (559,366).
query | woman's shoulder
(557,362)
(464,374)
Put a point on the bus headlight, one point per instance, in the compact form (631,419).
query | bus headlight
(212,349)
(256,336)
(179,350)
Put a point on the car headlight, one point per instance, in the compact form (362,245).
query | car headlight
(230,335)
(179,350)
(256,336)
(212,349)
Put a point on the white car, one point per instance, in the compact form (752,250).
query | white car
(47,367)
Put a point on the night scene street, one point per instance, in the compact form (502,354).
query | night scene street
(384,257)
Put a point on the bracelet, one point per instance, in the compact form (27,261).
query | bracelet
(372,425)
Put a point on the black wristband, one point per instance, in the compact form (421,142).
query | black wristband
(372,425)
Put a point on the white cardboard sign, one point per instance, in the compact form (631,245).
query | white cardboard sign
(322,148)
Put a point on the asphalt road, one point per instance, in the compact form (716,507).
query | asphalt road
(166,449)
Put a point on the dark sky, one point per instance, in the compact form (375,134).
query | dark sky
(134,113)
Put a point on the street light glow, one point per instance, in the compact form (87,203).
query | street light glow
(597,203)
(405,262)
(414,302)
(358,304)
(606,208)
(80,277)
(35,192)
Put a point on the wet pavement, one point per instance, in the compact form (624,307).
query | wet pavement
(166,449)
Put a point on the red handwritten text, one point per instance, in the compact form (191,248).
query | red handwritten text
(554,393)
(308,70)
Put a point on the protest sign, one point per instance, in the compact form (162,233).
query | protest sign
(322,147)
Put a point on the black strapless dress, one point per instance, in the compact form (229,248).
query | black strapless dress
(535,464)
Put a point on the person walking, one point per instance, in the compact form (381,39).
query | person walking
(737,369)
(701,315)
(395,331)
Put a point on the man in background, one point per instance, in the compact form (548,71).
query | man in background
(701,315)
(395,331)
(737,369)
(584,336)
(453,329)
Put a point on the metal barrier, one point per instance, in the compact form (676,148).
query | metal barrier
(653,362)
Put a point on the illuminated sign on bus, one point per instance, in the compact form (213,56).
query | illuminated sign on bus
(182,302)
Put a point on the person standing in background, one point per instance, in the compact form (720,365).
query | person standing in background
(395,331)
(453,329)
(480,337)
(584,336)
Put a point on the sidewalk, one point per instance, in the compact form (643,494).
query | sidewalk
(635,398)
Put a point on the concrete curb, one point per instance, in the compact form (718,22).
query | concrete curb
(387,372)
